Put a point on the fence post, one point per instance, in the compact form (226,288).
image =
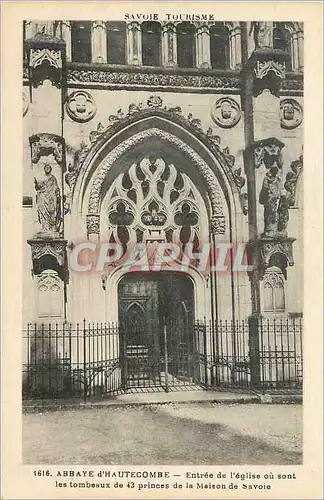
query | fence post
(166,366)
(254,349)
(85,385)
(123,357)
(205,352)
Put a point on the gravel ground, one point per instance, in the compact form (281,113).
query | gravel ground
(195,434)
(277,425)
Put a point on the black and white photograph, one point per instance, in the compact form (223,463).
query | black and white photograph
(162,251)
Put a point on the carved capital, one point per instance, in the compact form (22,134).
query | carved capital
(45,144)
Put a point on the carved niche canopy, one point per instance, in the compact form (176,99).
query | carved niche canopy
(268,67)
(46,59)
(45,144)
(268,252)
(49,254)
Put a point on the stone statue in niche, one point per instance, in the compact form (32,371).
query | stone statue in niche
(270,195)
(48,200)
(262,34)
(283,215)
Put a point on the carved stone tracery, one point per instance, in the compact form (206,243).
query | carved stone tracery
(203,168)
(155,196)
(38,56)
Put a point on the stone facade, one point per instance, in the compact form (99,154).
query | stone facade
(230,129)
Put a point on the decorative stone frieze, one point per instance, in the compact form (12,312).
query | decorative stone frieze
(144,80)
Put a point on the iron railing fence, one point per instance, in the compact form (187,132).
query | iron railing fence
(262,354)
(97,359)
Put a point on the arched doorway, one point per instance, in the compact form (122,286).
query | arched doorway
(156,315)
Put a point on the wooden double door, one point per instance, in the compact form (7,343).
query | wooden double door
(156,316)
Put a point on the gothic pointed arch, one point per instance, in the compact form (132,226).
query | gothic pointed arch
(169,128)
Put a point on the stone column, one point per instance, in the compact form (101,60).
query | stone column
(235,43)
(66,36)
(47,86)
(134,43)
(169,45)
(203,46)
(263,74)
(29,29)
(300,50)
(99,42)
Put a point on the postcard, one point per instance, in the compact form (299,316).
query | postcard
(161,250)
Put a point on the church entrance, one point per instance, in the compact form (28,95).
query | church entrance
(156,317)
